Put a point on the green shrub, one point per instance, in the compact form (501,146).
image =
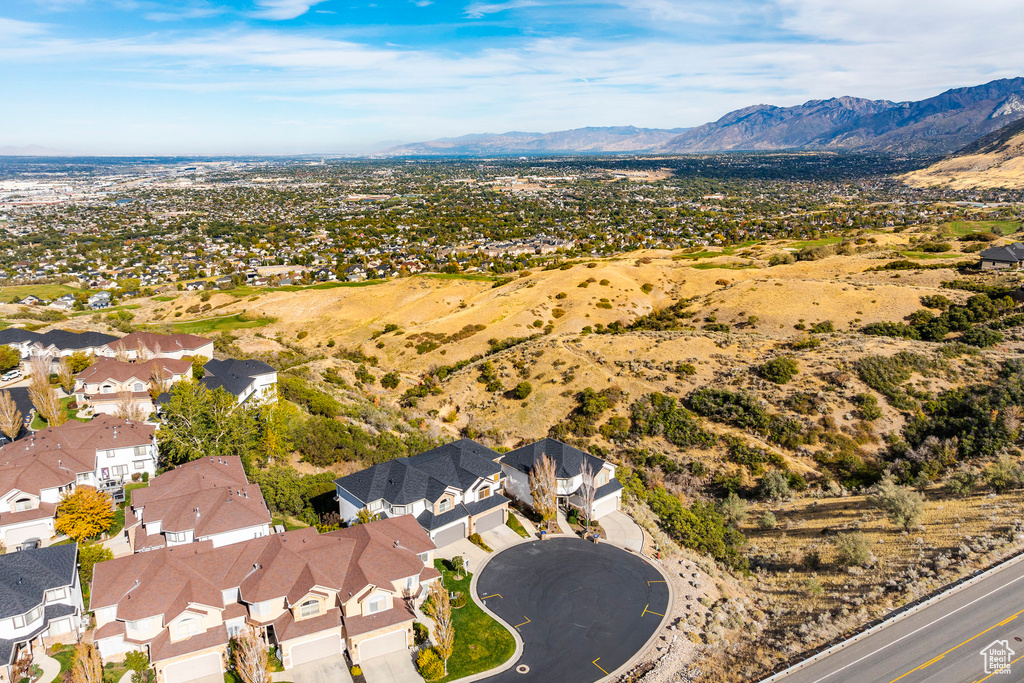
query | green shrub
(868,406)
(429,664)
(774,486)
(522,390)
(779,370)
(420,633)
(767,521)
(852,550)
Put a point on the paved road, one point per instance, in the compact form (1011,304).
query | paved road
(939,644)
(581,609)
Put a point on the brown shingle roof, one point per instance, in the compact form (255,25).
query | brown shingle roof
(161,343)
(118,371)
(280,565)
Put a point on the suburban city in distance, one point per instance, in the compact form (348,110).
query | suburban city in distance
(319,363)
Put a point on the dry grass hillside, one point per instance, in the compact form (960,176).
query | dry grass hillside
(996,161)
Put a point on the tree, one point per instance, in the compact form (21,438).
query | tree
(199,367)
(774,485)
(121,352)
(588,490)
(734,510)
(904,507)
(80,360)
(962,483)
(159,380)
(364,516)
(198,422)
(66,375)
(89,556)
(127,408)
(852,550)
(543,488)
(48,405)
(439,608)
(137,662)
(10,416)
(39,373)
(86,667)
(83,514)
(9,358)
(390,380)
(522,390)
(252,660)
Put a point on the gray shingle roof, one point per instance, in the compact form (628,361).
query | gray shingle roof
(568,460)
(61,339)
(425,476)
(26,576)
(1011,253)
(232,375)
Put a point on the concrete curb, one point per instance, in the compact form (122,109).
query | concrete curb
(895,616)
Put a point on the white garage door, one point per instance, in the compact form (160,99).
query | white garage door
(316,649)
(34,534)
(182,672)
(603,507)
(382,645)
(488,522)
(450,535)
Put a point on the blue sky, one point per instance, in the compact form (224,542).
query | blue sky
(297,76)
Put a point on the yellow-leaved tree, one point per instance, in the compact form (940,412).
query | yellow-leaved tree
(84,513)
(86,666)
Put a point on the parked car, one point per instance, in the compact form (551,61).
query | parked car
(10,375)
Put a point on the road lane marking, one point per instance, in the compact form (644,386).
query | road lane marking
(492,595)
(647,611)
(1000,671)
(524,623)
(914,632)
(650,582)
(599,667)
(978,635)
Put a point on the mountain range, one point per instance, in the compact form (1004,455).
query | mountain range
(938,125)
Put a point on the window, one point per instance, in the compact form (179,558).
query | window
(409,581)
(377,603)
(140,464)
(445,505)
(22,504)
(106,389)
(83,478)
(424,557)
(375,506)
(19,621)
(398,510)
(34,615)
(139,387)
(187,628)
(484,493)
(235,629)
(110,453)
(310,608)
(56,594)
(140,450)
(602,478)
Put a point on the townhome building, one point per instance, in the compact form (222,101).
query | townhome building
(146,345)
(37,470)
(209,499)
(569,473)
(55,343)
(40,597)
(453,491)
(108,385)
(311,595)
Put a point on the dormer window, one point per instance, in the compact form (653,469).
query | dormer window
(310,608)
(398,509)
(377,603)
(186,628)
(22,504)
(139,387)
(445,505)
(375,506)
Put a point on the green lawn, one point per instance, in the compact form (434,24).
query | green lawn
(481,643)
(960,228)
(65,657)
(515,525)
(803,244)
(39,423)
(289,523)
(723,266)
(324,285)
(46,292)
(697,255)
(164,298)
(221,324)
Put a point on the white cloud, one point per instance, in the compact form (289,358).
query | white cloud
(15,28)
(480,9)
(283,9)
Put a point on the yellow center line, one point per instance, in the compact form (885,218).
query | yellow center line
(1001,670)
(524,623)
(492,595)
(932,661)
(599,666)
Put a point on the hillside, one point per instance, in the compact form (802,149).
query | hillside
(994,161)
(933,126)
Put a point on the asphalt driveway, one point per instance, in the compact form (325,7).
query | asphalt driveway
(583,610)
